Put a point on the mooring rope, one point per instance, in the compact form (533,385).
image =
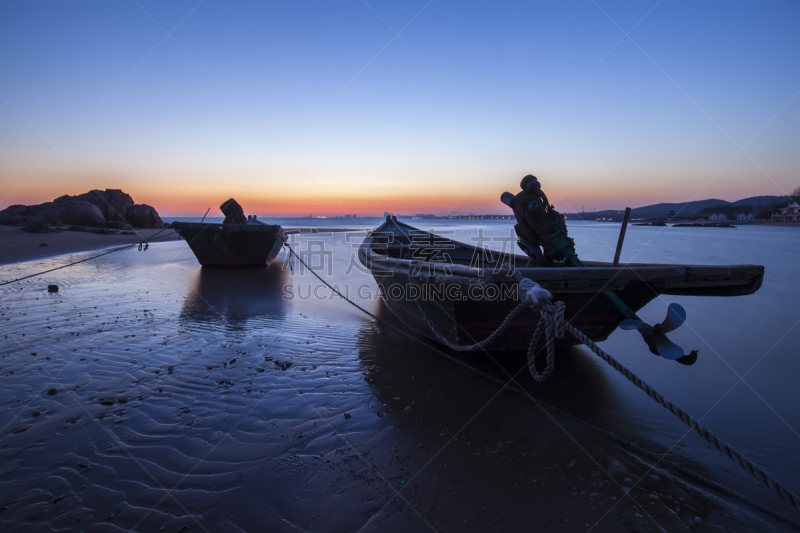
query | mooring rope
(559,324)
(784,493)
(548,323)
(553,324)
(118,249)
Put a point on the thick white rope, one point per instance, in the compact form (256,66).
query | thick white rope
(531,292)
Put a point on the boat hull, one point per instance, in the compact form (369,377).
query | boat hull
(465,320)
(232,244)
(466,303)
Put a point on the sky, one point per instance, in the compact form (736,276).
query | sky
(432,106)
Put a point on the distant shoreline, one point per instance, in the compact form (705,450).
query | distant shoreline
(768,223)
(19,246)
(700,222)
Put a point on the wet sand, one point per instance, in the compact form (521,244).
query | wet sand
(150,393)
(17,245)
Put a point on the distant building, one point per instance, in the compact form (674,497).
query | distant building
(481,217)
(719,216)
(742,216)
(791,213)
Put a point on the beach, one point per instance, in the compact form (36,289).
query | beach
(19,246)
(150,393)
(312,352)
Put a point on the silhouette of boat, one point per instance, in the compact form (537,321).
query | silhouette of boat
(238,241)
(420,271)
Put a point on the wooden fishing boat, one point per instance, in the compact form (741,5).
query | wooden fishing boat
(238,241)
(232,244)
(466,291)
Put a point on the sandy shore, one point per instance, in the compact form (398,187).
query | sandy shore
(17,246)
(150,393)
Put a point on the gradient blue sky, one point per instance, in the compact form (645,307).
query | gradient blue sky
(298,107)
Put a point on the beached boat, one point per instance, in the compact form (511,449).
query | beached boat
(232,244)
(238,241)
(467,303)
(467,291)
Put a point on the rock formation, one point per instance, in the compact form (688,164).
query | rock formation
(110,208)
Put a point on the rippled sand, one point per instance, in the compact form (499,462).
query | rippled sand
(149,393)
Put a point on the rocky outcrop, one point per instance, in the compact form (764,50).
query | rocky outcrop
(117,224)
(144,216)
(109,208)
(37,227)
(112,203)
(74,212)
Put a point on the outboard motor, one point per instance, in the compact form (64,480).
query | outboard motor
(541,229)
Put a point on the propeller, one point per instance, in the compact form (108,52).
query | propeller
(676,315)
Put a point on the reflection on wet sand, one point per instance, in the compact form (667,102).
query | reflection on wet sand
(235,295)
(416,365)
(254,413)
(469,451)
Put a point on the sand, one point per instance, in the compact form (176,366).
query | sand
(17,245)
(149,393)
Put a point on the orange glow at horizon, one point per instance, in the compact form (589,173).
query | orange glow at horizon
(179,194)
(171,200)
(318,203)
(347,201)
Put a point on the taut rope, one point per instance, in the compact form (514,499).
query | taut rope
(553,325)
(118,249)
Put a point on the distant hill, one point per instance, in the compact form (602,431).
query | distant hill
(681,209)
(763,200)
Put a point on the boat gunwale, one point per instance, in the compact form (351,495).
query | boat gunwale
(743,274)
(558,272)
(238,227)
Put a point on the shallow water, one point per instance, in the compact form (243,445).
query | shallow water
(187,396)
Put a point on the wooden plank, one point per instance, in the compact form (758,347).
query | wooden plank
(649,273)
(721,278)
(579,284)
(703,284)
(553,285)
(592,288)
